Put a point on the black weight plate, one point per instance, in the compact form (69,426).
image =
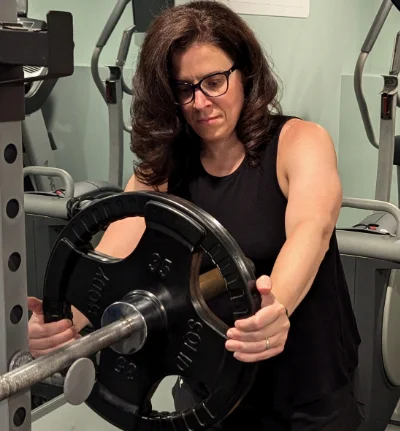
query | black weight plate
(166,262)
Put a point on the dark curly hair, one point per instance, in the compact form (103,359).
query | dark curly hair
(160,135)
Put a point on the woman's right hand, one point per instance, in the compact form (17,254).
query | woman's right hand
(46,337)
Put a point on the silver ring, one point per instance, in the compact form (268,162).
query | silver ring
(267,346)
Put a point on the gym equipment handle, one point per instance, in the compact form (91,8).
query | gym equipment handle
(367,47)
(125,45)
(374,205)
(34,372)
(121,59)
(395,70)
(53,172)
(109,28)
(377,26)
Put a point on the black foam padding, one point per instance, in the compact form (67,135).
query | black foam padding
(396,157)
(144,11)
(396,3)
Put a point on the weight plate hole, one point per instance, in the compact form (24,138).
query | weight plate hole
(14,262)
(16,314)
(19,417)
(12,208)
(10,153)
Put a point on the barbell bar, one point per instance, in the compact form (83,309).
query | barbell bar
(130,326)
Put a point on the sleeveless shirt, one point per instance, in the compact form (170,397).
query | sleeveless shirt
(321,350)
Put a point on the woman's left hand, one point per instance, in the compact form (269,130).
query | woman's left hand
(263,335)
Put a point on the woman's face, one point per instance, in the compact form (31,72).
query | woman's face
(214,119)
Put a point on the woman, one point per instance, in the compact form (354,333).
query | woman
(207,127)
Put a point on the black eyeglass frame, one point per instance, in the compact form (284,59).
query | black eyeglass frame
(194,87)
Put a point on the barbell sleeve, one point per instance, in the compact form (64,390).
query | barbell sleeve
(34,372)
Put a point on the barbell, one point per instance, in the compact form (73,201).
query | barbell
(163,310)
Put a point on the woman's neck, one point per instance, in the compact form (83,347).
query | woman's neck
(222,158)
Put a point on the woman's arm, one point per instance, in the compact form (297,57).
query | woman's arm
(119,240)
(310,180)
(308,176)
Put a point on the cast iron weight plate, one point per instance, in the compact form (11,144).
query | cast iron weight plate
(190,342)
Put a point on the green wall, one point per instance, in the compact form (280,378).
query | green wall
(314,57)
(309,55)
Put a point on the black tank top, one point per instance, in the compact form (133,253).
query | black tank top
(321,351)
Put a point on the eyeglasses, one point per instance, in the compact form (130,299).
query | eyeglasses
(214,85)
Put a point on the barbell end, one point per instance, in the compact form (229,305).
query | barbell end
(79,381)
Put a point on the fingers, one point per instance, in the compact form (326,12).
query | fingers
(248,339)
(264,285)
(46,337)
(264,317)
(259,335)
(263,335)
(249,347)
(43,330)
(36,353)
(259,342)
(257,350)
(53,341)
(35,305)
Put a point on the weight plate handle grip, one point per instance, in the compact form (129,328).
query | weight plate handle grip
(211,285)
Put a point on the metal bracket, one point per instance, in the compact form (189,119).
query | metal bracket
(28,45)
(388,93)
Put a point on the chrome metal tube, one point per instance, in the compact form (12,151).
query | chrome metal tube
(367,47)
(34,372)
(362,103)
(377,26)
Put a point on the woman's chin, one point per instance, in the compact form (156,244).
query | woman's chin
(210,135)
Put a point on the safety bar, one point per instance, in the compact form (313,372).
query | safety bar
(374,205)
(45,171)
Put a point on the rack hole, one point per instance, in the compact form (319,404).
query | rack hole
(14,262)
(10,153)
(16,314)
(19,417)
(12,208)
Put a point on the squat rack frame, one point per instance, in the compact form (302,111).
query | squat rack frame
(19,47)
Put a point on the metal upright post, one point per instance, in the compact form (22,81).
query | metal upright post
(386,138)
(15,413)
(114,95)
(389,98)
(20,46)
